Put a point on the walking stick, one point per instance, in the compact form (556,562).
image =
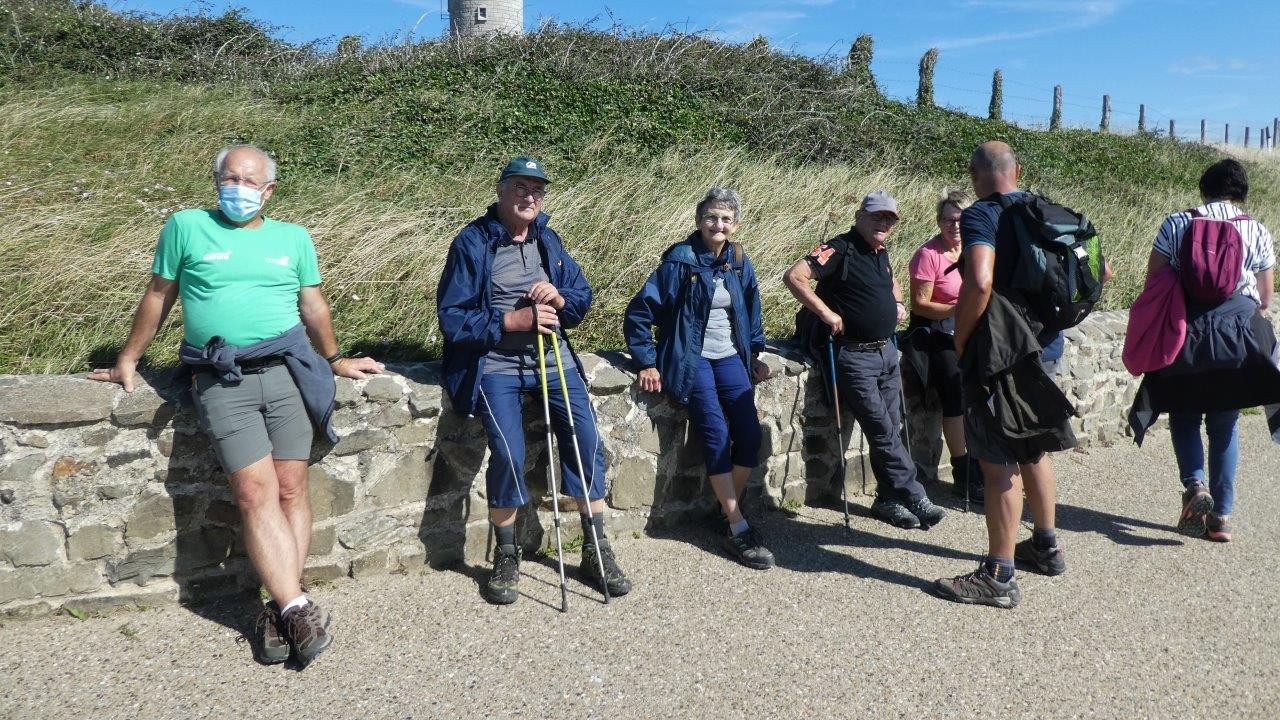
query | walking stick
(835,398)
(582,477)
(551,462)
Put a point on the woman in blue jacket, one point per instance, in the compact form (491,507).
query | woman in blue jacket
(705,301)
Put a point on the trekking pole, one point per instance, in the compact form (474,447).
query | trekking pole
(582,477)
(835,398)
(551,462)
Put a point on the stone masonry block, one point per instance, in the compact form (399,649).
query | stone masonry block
(92,542)
(331,495)
(56,400)
(32,543)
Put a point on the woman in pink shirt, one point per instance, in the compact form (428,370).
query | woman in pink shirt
(935,287)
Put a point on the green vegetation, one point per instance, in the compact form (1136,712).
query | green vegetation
(108,123)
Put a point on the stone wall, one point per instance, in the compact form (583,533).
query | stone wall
(110,499)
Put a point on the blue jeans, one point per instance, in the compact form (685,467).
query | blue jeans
(501,412)
(722,407)
(1224,453)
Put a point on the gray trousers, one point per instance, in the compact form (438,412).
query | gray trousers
(870,386)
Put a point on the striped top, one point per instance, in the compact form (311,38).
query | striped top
(1259,249)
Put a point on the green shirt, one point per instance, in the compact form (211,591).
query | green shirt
(238,283)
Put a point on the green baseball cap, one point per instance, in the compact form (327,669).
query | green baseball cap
(524,165)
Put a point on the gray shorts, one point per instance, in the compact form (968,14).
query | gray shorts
(261,416)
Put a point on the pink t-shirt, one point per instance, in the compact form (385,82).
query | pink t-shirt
(930,264)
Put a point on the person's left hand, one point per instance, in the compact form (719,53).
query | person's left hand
(544,293)
(902,311)
(760,371)
(356,368)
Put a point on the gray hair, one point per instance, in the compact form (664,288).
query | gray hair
(955,197)
(723,197)
(221,160)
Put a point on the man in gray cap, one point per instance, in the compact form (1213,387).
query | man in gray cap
(859,300)
(508,277)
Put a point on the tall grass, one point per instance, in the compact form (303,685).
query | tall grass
(89,171)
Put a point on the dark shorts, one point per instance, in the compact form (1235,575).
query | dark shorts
(262,415)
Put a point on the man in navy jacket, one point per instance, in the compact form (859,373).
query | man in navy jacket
(507,278)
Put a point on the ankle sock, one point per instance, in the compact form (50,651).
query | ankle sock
(1000,568)
(1044,538)
(739,527)
(505,535)
(294,604)
(596,520)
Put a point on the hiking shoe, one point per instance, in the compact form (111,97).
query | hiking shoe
(617,580)
(748,547)
(979,588)
(307,629)
(967,473)
(1046,562)
(894,513)
(1196,504)
(926,512)
(269,645)
(500,589)
(1218,527)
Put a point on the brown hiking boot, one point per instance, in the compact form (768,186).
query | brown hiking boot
(307,628)
(269,645)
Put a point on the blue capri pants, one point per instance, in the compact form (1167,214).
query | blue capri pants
(722,408)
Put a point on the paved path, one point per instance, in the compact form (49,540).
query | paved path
(1145,624)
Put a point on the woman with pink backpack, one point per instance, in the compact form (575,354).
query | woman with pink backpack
(1207,351)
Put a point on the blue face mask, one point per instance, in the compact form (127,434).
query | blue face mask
(239,203)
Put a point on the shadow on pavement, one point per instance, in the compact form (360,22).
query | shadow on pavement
(1119,529)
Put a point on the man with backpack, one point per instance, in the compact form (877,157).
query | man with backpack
(1224,263)
(858,298)
(1031,268)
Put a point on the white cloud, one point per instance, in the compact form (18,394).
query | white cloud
(1202,65)
(1066,16)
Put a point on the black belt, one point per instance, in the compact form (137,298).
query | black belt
(862,345)
(249,367)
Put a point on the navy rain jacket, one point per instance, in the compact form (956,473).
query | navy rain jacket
(468,322)
(677,299)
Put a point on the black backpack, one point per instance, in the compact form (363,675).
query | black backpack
(1048,260)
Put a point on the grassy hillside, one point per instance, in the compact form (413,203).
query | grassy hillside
(108,124)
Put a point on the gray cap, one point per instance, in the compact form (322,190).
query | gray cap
(880,201)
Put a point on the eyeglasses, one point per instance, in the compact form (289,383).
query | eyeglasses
(718,220)
(885,218)
(949,221)
(229,180)
(525,191)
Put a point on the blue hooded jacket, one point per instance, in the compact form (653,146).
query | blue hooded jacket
(677,299)
(470,325)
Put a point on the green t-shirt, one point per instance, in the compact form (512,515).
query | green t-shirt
(235,282)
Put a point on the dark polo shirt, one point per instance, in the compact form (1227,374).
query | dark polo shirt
(864,299)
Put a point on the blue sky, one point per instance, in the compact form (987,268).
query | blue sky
(1185,60)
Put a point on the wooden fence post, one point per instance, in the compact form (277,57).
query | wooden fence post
(1172,134)
(924,91)
(1055,120)
(1226,133)
(1275,129)
(1246,136)
(1142,118)
(1105,125)
(995,111)
(1202,129)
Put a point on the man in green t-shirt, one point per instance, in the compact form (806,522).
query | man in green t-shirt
(257,333)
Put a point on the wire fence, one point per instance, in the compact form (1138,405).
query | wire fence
(1029,109)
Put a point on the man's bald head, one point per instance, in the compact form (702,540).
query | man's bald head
(252,155)
(994,168)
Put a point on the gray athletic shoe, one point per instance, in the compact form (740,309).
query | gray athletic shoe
(979,588)
(269,645)
(748,547)
(894,513)
(308,630)
(1046,562)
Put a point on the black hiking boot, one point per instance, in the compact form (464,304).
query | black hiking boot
(500,589)
(269,644)
(894,513)
(926,512)
(617,580)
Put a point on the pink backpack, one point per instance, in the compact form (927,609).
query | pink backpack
(1210,258)
(1157,324)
